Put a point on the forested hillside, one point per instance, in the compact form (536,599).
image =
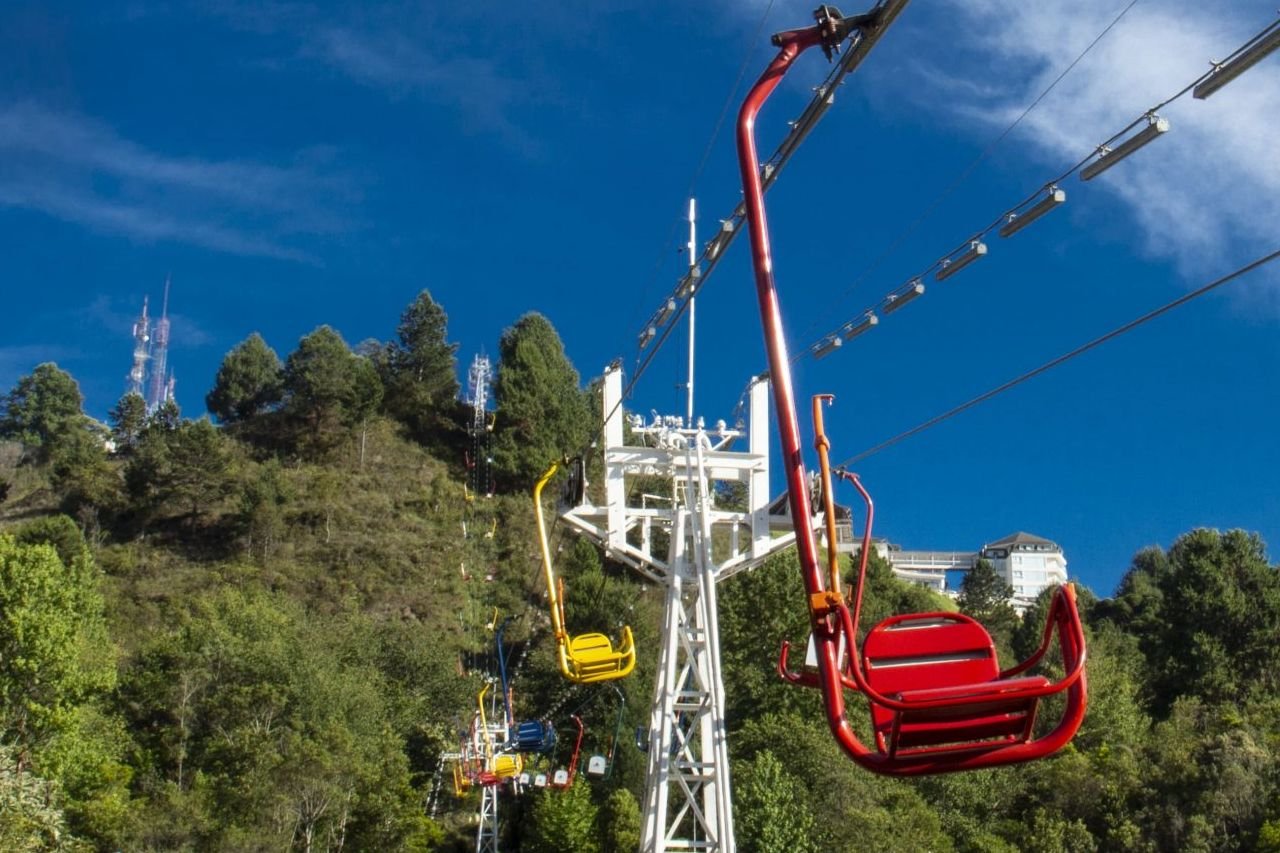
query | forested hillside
(260,631)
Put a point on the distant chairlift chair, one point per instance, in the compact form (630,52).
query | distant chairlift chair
(527,736)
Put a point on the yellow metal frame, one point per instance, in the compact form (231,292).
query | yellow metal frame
(503,765)
(586,658)
(461,781)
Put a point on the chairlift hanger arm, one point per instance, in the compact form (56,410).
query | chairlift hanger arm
(941,717)
(793,43)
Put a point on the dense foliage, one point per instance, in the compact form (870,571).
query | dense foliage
(262,635)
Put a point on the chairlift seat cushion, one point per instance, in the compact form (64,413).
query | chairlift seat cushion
(592,657)
(923,658)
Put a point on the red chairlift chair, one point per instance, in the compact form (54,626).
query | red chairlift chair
(563,777)
(939,700)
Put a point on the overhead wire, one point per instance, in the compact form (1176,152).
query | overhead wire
(1065,357)
(859,44)
(822,344)
(706,153)
(977,161)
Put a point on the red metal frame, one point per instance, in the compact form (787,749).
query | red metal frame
(573,760)
(829,616)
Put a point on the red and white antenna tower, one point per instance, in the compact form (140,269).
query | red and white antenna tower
(141,351)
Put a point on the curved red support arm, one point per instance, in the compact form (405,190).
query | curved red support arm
(829,621)
(826,635)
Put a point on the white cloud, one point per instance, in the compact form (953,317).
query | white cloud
(1207,195)
(390,60)
(78,170)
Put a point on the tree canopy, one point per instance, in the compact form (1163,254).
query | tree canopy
(542,413)
(42,409)
(250,382)
(419,369)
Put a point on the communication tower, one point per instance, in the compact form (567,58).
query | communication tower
(150,377)
(479,462)
(141,351)
(161,388)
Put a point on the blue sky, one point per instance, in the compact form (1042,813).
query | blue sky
(293,164)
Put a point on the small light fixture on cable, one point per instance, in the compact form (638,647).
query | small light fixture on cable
(1017,221)
(951,266)
(646,337)
(894,301)
(826,346)
(664,313)
(1108,157)
(851,330)
(1225,72)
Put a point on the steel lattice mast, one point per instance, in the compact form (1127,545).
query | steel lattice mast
(161,385)
(479,376)
(688,802)
(141,351)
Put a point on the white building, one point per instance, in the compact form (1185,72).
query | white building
(1028,563)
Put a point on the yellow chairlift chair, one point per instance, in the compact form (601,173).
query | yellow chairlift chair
(586,658)
(498,766)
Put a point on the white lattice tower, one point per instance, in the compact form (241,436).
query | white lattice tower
(141,351)
(487,832)
(479,376)
(688,802)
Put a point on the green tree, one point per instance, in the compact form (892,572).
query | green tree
(419,369)
(186,468)
(1206,615)
(54,651)
(250,382)
(30,819)
(620,822)
(128,421)
(42,409)
(772,810)
(985,595)
(562,820)
(80,473)
(541,413)
(272,728)
(328,390)
(166,417)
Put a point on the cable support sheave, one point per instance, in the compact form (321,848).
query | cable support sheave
(968,170)
(1049,365)
(826,343)
(860,44)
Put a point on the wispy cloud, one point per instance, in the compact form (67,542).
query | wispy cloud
(79,170)
(475,86)
(382,46)
(1205,195)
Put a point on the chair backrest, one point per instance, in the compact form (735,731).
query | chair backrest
(928,650)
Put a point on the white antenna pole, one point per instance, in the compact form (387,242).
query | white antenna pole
(693,265)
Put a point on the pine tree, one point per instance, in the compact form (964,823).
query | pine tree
(42,409)
(542,414)
(419,369)
(249,382)
(128,421)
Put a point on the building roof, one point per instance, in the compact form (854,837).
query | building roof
(1021,538)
